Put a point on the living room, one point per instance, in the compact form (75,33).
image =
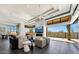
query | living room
(39,28)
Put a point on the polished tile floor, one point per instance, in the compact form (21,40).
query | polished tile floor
(55,47)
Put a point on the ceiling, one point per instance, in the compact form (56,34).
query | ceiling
(17,13)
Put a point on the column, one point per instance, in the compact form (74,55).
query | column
(44,26)
(68,32)
(21,29)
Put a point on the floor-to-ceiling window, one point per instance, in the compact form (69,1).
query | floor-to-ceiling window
(75,30)
(11,28)
(58,31)
(7,29)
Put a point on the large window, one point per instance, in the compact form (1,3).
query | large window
(6,29)
(75,30)
(11,28)
(57,31)
(59,28)
(60,31)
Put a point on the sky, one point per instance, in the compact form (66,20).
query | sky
(74,28)
(57,28)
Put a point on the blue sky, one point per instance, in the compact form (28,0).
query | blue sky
(57,28)
(74,28)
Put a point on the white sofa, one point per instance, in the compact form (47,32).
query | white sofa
(21,39)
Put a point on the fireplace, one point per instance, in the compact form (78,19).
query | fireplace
(39,34)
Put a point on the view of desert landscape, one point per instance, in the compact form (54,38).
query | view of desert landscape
(63,35)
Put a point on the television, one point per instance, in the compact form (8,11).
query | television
(39,29)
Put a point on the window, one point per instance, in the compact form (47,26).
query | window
(11,28)
(75,30)
(57,31)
